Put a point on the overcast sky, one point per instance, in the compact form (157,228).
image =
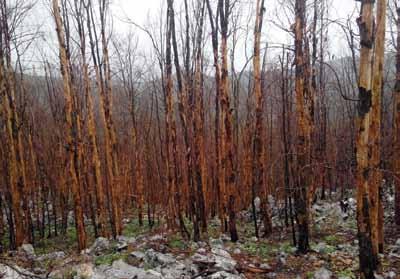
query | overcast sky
(142,11)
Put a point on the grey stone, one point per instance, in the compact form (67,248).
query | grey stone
(176,270)
(155,259)
(201,250)
(126,239)
(27,250)
(257,203)
(265,266)
(390,275)
(121,270)
(216,242)
(220,252)
(51,256)
(322,273)
(156,237)
(137,254)
(9,273)
(122,246)
(223,260)
(237,251)
(224,275)
(100,245)
(84,270)
(320,247)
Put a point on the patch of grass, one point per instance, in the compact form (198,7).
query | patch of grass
(176,242)
(346,273)
(331,239)
(309,274)
(286,247)
(62,242)
(261,249)
(108,259)
(213,231)
(329,249)
(134,229)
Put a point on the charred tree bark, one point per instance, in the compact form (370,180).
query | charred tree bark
(375,124)
(304,128)
(259,129)
(367,123)
(228,175)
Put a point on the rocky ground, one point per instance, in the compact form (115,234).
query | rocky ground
(145,254)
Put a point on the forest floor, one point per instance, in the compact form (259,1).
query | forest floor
(149,254)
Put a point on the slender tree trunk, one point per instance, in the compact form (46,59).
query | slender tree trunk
(94,161)
(304,129)
(228,175)
(375,124)
(259,129)
(367,188)
(69,128)
(396,162)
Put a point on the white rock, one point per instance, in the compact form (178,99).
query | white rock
(7,272)
(121,270)
(224,275)
(51,256)
(237,251)
(390,275)
(101,244)
(28,250)
(323,273)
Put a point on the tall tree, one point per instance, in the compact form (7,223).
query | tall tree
(397,123)
(377,81)
(228,172)
(303,117)
(70,128)
(94,162)
(259,130)
(368,130)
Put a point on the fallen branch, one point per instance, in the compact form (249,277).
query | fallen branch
(205,272)
(20,272)
(251,269)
